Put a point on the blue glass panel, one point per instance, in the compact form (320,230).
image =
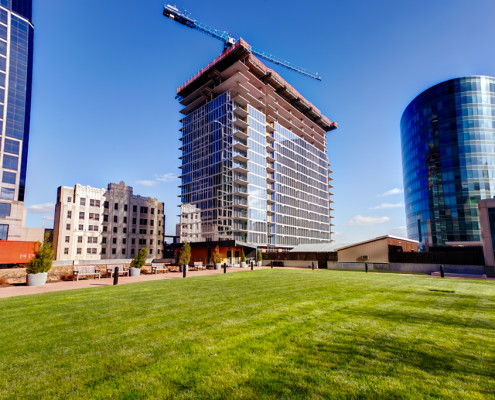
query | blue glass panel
(8,177)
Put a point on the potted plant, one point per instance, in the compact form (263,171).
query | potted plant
(37,269)
(243,260)
(138,262)
(260,263)
(217,258)
(185,256)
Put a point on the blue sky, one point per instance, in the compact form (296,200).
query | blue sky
(106,74)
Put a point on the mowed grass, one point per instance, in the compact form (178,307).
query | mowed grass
(271,334)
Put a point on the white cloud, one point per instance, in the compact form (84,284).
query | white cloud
(400,228)
(41,208)
(48,217)
(146,183)
(168,177)
(387,205)
(359,220)
(392,192)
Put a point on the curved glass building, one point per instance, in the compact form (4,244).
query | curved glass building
(448,157)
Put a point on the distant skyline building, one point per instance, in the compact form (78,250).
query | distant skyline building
(16,69)
(113,223)
(254,163)
(448,156)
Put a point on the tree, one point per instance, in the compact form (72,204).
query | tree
(185,254)
(42,261)
(259,256)
(216,257)
(140,259)
(243,256)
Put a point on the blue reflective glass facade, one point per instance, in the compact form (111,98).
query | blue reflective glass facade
(448,155)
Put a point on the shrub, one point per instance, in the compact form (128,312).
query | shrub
(243,256)
(216,257)
(42,261)
(140,259)
(185,254)
(4,282)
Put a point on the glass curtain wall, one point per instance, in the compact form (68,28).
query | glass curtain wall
(448,155)
(301,196)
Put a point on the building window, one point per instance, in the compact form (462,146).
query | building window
(124,241)
(105,228)
(79,239)
(79,250)
(133,241)
(7,193)
(114,251)
(134,208)
(105,218)
(142,241)
(152,223)
(114,240)
(8,177)
(82,201)
(69,199)
(92,240)
(144,210)
(66,250)
(91,251)
(67,227)
(105,204)
(4,231)
(115,219)
(125,207)
(142,231)
(81,227)
(159,223)
(103,251)
(94,203)
(116,206)
(4,210)
(133,230)
(158,242)
(151,251)
(152,211)
(158,251)
(132,251)
(69,214)
(125,220)
(115,229)
(151,242)
(67,238)
(123,251)
(143,221)
(11,146)
(151,231)
(104,240)
(10,162)
(81,215)
(125,230)
(134,221)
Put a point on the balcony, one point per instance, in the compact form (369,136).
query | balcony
(240,214)
(240,156)
(240,112)
(240,123)
(270,168)
(241,134)
(240,191)
(269,148)
(241,146)
(270,158)
(240,202)
(240,179)
(270,178)
(240,167)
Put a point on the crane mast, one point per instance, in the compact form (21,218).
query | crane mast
(183,18)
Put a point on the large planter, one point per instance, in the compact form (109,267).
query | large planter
(134,271)
(36,279)
(218,266)
(260,263)
(243,264)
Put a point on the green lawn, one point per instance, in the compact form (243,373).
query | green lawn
(275,334)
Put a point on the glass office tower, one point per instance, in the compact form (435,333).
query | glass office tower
(254,164)
(16,64)
(448,153)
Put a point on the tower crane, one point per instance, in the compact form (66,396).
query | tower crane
(184,18)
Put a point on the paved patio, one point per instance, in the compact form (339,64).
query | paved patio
(23,290)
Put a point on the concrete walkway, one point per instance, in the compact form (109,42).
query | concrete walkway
(23,290)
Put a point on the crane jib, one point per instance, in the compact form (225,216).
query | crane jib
(181,17)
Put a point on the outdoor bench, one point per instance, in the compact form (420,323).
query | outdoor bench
(198,265)
(84,270)
(155,267)
(111,270)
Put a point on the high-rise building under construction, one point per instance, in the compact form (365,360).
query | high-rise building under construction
(254,163)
